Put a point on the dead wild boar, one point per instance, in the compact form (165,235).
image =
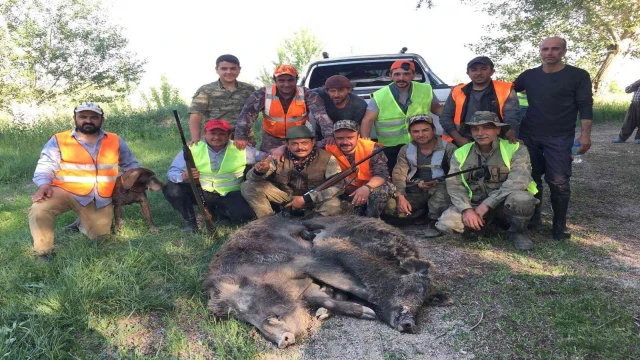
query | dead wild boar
(380,261)
(267,274)
(259,276)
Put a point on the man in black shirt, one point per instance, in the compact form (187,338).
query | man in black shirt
(340,103)
(556,93)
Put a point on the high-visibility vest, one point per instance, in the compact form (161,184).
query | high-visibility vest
(275,121)
(507,150)
(522,99)
(391,125)
(364,148)
(231,173)
(436,160)
(501,88)
(79,173)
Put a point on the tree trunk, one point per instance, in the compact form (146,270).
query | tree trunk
(622,49)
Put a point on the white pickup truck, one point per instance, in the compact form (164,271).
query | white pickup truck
(370,73)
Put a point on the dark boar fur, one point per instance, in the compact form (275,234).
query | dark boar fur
(258,276)
(378,258)
(267,274)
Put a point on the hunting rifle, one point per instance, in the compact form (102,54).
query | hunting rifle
(195,183)
(415,182)
(341,175)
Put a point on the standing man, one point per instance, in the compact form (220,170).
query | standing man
(632,118)
(220,168)
(481,94)
(425,158)
(286,180)
(221,99)
(390,107)
(284,105)
(505,190)
(77,171)
(340,102)
(367,189)
(556,93)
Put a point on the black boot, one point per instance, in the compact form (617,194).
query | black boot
(190,225)
(536,219)
(516,231)
(560,196)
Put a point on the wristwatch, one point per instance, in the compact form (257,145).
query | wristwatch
(369,186)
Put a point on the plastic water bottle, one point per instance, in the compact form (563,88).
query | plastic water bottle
(577,158)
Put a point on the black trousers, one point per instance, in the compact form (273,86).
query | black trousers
(550,156)
(232,207)
(392,156)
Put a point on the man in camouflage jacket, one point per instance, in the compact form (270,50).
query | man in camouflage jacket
(503,188)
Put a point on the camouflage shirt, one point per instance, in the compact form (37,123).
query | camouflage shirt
(402,168)
(213,101)
(255,104)
(491,189)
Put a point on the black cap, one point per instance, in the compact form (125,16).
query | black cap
(480,60)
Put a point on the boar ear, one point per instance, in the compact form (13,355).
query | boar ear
(219,289)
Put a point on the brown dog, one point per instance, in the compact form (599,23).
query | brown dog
(130,188)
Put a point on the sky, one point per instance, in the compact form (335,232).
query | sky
(182,39)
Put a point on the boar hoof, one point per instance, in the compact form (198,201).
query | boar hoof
(322,313)
(286,339)
(368,314)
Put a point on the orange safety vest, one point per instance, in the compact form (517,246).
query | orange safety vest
(364,148)
(275,121)
(78,173)
(501,88)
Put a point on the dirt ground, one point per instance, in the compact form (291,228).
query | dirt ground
(604,210)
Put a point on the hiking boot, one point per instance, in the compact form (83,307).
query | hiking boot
(430,230)
(73,227)
(516,232)
(45,257)
(190,225)
(560,205)
(617,140)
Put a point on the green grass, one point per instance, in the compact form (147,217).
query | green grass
(609,111)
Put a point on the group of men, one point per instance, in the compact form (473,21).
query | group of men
(400,175)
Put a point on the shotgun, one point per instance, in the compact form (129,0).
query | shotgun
(198,193)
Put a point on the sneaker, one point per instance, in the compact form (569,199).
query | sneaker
(619,141)
(637,141)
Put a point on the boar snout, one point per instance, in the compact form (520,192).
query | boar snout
(286,339)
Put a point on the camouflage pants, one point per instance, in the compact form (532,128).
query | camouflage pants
(435,199)
(519,204)
(376,202)
(260,194)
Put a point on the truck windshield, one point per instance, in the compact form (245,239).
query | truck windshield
(363,74)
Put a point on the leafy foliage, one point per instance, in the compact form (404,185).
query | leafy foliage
(297,50)
(599,33)
(54,50)
(165,96)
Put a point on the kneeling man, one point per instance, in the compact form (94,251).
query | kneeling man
(421,161)
(220,168)
(286,180)
(367,189)
(505,185)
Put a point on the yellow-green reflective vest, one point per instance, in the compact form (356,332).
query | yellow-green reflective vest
(231,173)
(522,99)
(391,124)
(507,150)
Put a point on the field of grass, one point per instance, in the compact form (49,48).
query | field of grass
(139,295)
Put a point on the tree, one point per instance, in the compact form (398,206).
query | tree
(165,96)
(53,50)
(600,33)
(297,50)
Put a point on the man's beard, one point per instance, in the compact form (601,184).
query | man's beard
(88,129)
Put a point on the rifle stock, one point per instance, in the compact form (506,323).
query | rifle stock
(194,183)
(342,175)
